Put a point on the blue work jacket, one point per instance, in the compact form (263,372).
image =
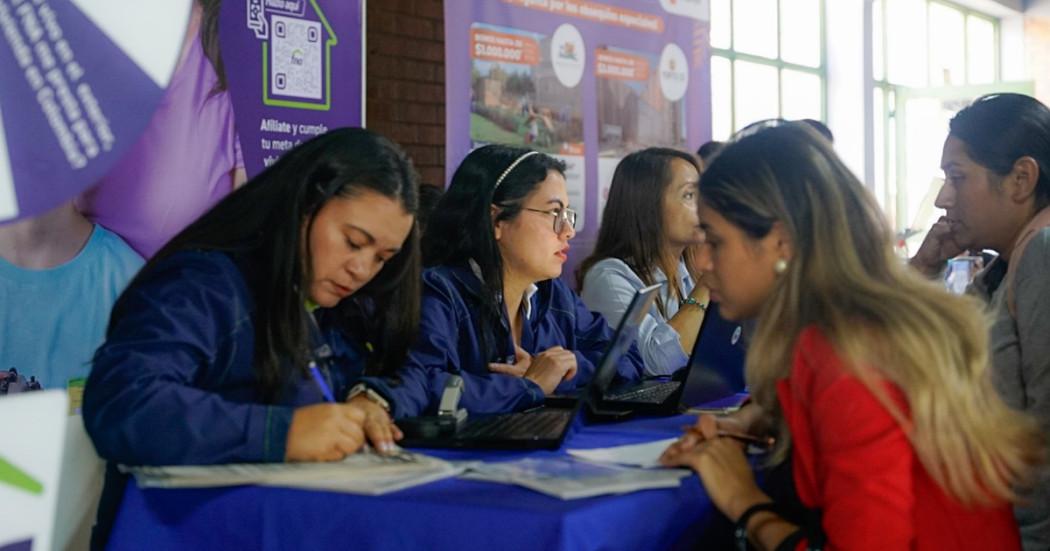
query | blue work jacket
(448,343)
(175,381)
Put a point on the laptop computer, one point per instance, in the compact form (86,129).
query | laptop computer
(714,377)
(544,427)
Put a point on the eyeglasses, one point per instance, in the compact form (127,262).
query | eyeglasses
(561,217)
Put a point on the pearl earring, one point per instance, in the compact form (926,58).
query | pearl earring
(780,266)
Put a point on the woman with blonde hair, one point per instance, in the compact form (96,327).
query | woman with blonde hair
(871,378)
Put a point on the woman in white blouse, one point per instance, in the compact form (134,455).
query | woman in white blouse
(648,225)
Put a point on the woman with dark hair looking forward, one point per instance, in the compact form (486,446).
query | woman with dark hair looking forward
(494,311)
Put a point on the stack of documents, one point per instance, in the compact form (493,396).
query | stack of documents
(361,473)
(569,478)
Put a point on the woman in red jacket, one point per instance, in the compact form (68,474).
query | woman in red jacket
(873,380)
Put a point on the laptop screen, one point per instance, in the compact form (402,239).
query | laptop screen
(626,333)
(716,367)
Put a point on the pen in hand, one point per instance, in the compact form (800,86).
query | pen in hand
(764,442)
(321,384)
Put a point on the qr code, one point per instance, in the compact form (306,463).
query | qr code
(297,58)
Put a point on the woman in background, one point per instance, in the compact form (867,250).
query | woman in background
(874,380)
(189,156)
(996,196)
(649,223)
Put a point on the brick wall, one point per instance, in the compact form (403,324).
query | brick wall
(405,76)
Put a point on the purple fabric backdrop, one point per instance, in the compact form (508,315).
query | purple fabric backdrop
(590,120)
(293,72)
(72,101)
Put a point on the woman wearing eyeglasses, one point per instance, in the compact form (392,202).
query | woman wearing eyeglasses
(494,311)
(648,224)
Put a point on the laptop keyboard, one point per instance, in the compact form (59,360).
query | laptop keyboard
(654,393)
(544,424)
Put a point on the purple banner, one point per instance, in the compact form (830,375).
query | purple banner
(295,71)
(79,83)
(585,81)
(26,545)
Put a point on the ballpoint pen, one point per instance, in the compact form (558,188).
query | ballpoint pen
(321,352)
(321,384)
(758,441)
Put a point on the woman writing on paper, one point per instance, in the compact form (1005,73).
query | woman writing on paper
(874,380)
(226,343)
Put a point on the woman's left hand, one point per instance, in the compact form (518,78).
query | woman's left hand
(724,471)
(692,262)
(522,359)
(380,429)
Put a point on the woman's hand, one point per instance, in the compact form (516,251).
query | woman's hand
(693,256)
(325,432)
(522,359)
(379,427)
(938,246)
(720,462)
(745,420)
(547,369)
(706,428)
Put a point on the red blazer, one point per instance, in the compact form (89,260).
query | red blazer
(853,461)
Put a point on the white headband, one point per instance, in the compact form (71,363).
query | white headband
(524,156)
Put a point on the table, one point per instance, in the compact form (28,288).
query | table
(450,514)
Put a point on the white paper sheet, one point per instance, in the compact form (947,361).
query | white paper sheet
(567,478)
(645,455)
(361,473)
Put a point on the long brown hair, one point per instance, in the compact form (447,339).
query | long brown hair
(633,221)
(885,321)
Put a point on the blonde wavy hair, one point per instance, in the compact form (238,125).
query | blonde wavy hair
(884,320)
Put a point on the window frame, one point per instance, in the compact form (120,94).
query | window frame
(732,55)
(891,199)
(967,12)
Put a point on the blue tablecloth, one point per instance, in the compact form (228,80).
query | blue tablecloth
(451,514)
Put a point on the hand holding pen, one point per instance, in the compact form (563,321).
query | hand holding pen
(761,442)
(709,427)
(378,427)
(716,454)
(329,431)
(324,432)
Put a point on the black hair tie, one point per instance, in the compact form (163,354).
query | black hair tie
(740,529)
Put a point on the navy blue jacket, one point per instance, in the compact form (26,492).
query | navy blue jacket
(175,383)
(448,343)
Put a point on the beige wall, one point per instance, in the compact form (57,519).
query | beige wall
(1037,54)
